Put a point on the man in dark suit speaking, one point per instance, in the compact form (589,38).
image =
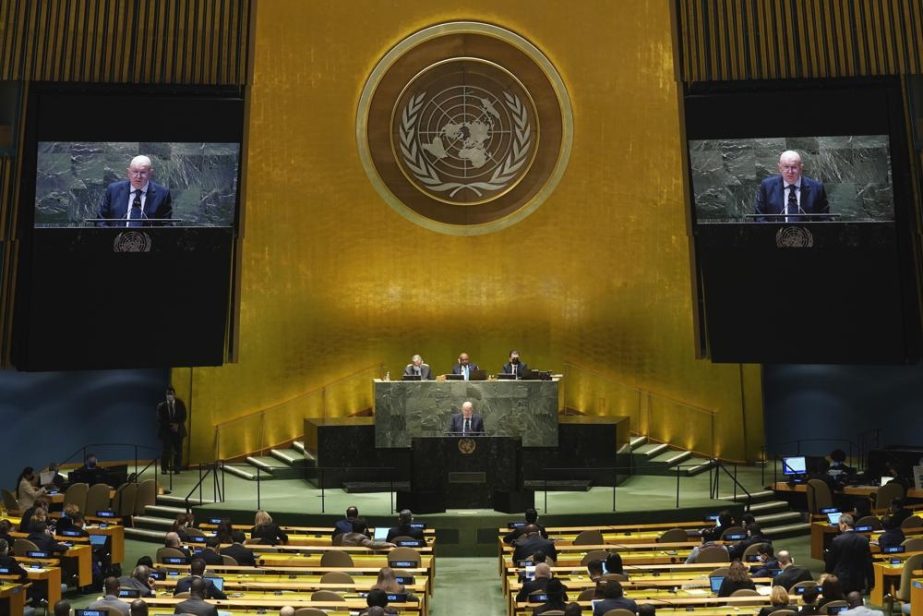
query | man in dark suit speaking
(790,193)
(137,201)
(467,422)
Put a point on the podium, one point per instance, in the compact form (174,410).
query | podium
(457,472)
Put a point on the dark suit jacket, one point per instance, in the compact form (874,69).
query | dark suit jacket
(404,531)
(157,204)
(458,423)
(210,591)
(196,606)
(516,533)
(163,417)
(791,575)
(242,555)
(533,585)
(891,537)
(522,370)
(527,546)
(426,373)
(472,368)
(15,568)
(604,605)
(46,542)
(268,534)
(770,197)
(850,559)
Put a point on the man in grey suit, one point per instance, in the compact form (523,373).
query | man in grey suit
(467,422)
(110,600)
(416,367)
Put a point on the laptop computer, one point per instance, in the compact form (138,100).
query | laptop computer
(412,377)
(46,477)
(454,377)
(504,376)
(715,581)
(217,582)
(98,540)
(381,533)
(834,517)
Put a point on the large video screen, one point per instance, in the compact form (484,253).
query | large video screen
(800,202)
(843,178)
(80,183)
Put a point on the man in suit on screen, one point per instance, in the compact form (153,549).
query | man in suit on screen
(467,422)
(137,201)
(785,197)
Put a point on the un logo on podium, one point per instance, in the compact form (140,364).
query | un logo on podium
(467,445)
(464,143)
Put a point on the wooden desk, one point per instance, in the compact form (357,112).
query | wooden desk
(886,576)
(800,488)
(13,597)
(728,605)
(916,595)
(276,602)
(82,562)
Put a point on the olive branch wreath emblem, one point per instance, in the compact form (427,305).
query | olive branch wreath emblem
(423,171)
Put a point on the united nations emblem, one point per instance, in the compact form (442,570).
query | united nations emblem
(132,241)
(467,445)
(469,143)
(794,237)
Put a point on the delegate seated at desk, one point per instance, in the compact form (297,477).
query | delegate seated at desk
(467,422)
(416,367)
(790,192)
(515,366)
(465,367)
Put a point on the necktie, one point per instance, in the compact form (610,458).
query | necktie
(792,199)
(172,415)
(467,427)
(136,213)
(465,372)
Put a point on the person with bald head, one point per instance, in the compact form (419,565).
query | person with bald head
(538,582)
(137,201)
(465,368)
(467,422)
(790,196)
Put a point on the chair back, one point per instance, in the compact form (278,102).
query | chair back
(229,561)
(124,505)
(192,531)
(819,495)
(713,554)
(619,611)
(587,595)
(336,558)
(76,494)
(747,592)
(914,544)
(400,538)
(553,613)
(10,503)
(783,612)
(326,595)
(888,493)
(913,521)
(337,577)
(163,553)
(793,591)
(752,550)
(589,537)
(837,603)
(146,495)
(731,530)
(404,554)
(870,520)
(720,572)
(21,546)
(310,611)
(97,498)
(910,565)
(674,535)
(594,555)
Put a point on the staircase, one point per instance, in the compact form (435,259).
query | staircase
(774,516)
(282,463)
(649,458)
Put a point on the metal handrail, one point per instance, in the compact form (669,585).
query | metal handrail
(217,493)
(717,465)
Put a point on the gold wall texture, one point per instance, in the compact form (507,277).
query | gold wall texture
(333,281)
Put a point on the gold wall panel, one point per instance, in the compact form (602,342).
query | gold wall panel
(333,280)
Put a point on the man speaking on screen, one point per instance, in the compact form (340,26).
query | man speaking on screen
(791,194)
(137,201)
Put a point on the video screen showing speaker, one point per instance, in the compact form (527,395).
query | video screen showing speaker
(128,225)
(81,183)
(799,202)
